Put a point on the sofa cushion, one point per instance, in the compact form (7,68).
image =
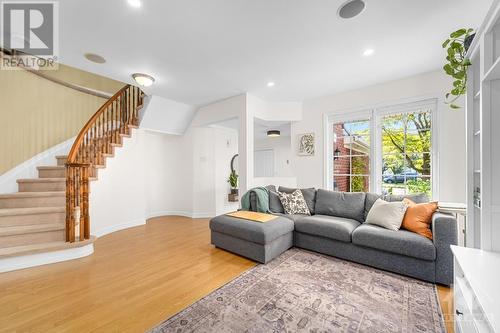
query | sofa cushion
(416,198)
(253,198)
(372,197)
(387,214)
(401,242)
(308,193)
(293,217)
(256,232)
(275,205)
(369,201)
(294,203)
(341,204)
(337,228)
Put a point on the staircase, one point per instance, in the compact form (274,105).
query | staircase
(43,216)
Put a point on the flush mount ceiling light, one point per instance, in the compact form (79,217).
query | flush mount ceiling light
(135,3)
(271,84)
(351,9)
(273,133)
(143,79)
(368,52)
(94,58)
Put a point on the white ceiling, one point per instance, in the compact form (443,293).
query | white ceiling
(201,51)
(262,126)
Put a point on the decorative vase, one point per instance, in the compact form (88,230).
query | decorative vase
(234,191)
(468,42)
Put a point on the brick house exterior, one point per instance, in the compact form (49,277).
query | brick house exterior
(342,165)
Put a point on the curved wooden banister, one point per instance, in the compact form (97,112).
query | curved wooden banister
(96,140)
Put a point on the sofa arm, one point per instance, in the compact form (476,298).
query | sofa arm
(444,232)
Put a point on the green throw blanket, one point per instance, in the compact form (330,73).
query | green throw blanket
(262,195)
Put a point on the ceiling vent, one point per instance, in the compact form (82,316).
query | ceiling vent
(351,9)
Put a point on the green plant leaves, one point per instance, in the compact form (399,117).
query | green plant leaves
(458,33)
(457,64)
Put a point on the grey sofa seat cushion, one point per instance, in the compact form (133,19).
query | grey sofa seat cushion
(293,217)
(337,228)
(372,197)
(341,204)
(256,232)
(402,242)
(308,193)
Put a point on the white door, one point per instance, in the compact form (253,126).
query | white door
(264,163)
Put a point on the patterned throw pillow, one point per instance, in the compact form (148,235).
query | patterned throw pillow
(294,203)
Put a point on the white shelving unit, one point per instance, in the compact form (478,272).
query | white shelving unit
(483,136)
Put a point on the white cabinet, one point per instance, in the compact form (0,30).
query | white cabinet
(476,290)
(483,136)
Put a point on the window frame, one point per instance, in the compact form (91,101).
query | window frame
(375,116)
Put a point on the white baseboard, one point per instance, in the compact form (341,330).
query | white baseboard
(27,169)
(180,213)
(118,227)
(32,260)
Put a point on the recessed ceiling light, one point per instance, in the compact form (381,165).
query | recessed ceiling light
(273,133)
(351,9)
(94,58)
(368,52)
(135,3)
(143,79)
(271,84)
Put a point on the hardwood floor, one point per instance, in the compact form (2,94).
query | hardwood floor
(135,279)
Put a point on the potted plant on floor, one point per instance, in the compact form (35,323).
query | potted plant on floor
(233,182)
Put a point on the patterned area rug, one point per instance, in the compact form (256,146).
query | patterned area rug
(302,291)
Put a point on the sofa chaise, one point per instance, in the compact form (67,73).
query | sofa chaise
(335,227)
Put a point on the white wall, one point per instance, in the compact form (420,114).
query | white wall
(166,116)
(282,149)
(451,128)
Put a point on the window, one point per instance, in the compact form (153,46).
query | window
(351,157)
(406,152)
(385,150)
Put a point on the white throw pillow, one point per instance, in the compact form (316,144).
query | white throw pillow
(294,203)
(386,214)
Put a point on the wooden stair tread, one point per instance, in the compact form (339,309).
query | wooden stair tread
(30,211)
(33,194)
(54,167)
(30,229)
(42,248)
(41,180)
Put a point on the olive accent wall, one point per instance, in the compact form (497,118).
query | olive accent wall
(36,113)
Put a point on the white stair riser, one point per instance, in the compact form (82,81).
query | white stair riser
(42,186)
(61,161)
(32,219)
(32,238)
(52,173)
(54,201)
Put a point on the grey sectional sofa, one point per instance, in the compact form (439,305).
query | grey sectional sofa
(336,227)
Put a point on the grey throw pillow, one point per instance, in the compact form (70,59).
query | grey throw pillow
(341,204)
(372,197)
(416,198)
(294,203)
(308,193)
(275,205)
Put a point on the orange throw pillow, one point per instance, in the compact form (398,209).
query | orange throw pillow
(418,217)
